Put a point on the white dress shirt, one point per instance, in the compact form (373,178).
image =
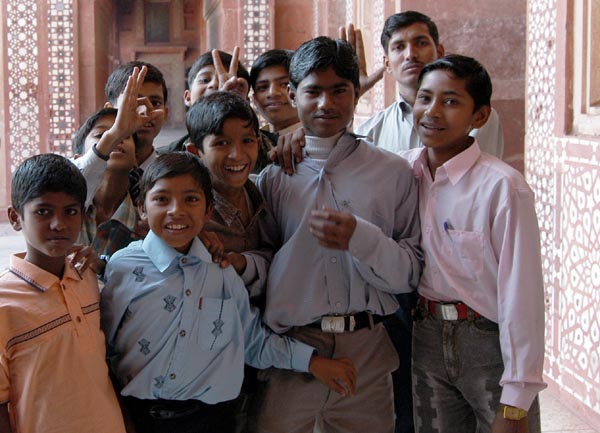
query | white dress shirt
(481,243)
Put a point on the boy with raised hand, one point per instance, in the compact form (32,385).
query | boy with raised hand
(350,242)
(154,92)
(178,326)
(53,373)
(478,341)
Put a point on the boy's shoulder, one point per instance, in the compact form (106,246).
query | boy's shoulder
(133,251)
(503,172)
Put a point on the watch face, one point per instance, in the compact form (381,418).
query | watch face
(514,413)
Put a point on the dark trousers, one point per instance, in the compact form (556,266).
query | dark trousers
(399,328)
(187,416)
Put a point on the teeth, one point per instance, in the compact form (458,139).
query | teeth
(235,167)
(176,226)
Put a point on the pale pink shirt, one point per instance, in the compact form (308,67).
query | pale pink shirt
(481,243)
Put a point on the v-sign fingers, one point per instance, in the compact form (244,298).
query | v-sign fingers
(233,67)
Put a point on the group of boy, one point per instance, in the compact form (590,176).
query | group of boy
(325,252)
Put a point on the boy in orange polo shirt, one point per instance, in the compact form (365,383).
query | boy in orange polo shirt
(53,374)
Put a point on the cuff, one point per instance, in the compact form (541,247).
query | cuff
(301,354)
(250,273)
(364,239)
(517,396)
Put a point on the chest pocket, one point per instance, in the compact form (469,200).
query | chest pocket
(216,322)
(463,253)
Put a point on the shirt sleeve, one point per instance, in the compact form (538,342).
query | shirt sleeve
(391,264)
(263,348)
(515,239)
(92,168)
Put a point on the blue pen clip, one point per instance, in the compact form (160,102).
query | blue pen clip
(447,226)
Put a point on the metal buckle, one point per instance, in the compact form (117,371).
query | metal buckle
(448,311)
(332,324)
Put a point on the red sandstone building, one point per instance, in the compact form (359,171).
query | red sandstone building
(542,55)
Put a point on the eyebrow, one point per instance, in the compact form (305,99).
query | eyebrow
(283,77)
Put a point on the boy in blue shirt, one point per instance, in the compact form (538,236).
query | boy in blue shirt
(179,327)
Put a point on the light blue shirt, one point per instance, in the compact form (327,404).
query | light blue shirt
(307,281)
(179,327)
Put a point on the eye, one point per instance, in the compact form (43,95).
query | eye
(249,140)
(72,211)
(157,103)
(451,101)
(422,42)
(193,198)
(203,80)
(423,98)
(159,199)
(42,212)
(340,91)
(398,47)
(261,89)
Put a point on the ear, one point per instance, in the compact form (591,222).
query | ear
(142,211)
(292,95)
(14,218)
(386,64)
(440,50)
(209,212)
(481,116)
(191,147)
(187,98)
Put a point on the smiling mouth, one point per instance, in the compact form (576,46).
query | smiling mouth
(236,168)
(431,127)
(176,227)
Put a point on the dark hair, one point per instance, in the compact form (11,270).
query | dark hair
(85,129)
(173,164)
(477,81)
(207,60)
(115,85)
(269,59)
(321,53)
(208,114)
(44,173)
(404,19)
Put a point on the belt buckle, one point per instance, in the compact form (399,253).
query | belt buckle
(336,324)
(449,311)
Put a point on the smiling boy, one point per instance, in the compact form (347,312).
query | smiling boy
(178,326)
(53,374)
(350,242)
(478,344)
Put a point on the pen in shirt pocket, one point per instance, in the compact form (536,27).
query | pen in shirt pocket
(447,226)
(200,303)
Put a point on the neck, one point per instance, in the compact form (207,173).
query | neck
(321,147)
(54,265)
(110,194)
(143,152)
(233,195)
(284,124)
(409,94)
(438,157)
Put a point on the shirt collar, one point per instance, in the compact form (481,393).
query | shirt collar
(163,255)
(36,276)
(229,212)
(285,130)
(458,166)
(144,165)
(405,107)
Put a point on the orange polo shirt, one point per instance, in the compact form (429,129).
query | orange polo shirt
(53,372)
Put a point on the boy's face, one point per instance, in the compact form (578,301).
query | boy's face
(146,134)
(443,112)
(325,102)
(409,49)
(231,156)
(120,159)
(205,83)
(175,209)
(271,97)
(51,224)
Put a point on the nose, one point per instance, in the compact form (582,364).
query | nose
(58,222)
(213,84)
(410,51)
(274,89)
(235,150)
(325,100)
(433,108)
(175,207)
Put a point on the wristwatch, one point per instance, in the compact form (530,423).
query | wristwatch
(513,413)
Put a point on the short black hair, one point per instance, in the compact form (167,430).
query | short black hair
(207,60)
(321,53)
(85,129)
(44,173)
(401,20)
(269,59)
(208,114)
(477,80)
(115,85)
(173,164)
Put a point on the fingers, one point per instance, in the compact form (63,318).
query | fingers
(233,67)
(219,68)
(213,244)
(298,142)
(342,33)
(331,228)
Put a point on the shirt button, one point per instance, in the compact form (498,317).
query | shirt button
(333,260)
(78,318)
(188,292)
(172,376)
(182,333)
(184,260)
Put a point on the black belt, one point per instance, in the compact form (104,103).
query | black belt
(167,409)
(347,323)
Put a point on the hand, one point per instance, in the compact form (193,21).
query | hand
(503,425)
(81,257)
(337,374)
(228,80)
(215,247)
(289,150)
(238,261)
(332,228)
(354,37)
